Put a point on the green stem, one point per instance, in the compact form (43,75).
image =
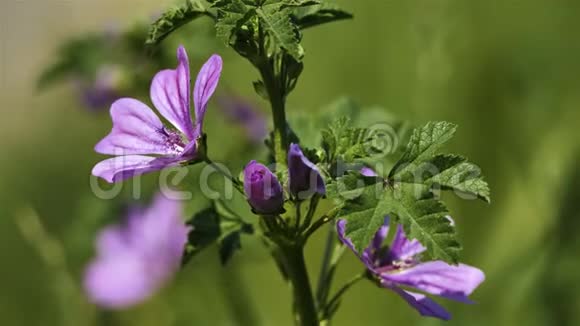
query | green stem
(311,210)
(332,302)
(237,184)
(320,222)
(276,95)
(304,306)
(323,278)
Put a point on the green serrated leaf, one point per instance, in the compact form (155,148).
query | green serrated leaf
(420,164)
(173,19)
(343,142)
(362,208)
(216,224)
(423,145)
(232,15)
(424,219)
(282,32)
(318,15)
(450,172)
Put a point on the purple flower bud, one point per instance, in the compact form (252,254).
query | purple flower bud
(305,180)
(263,189)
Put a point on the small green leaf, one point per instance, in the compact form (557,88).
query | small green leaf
(423,145)
(215,224)
(420,164)
(260,89)
(281,31)
(228,245)
(173,19)
(232,15)
(343,142)
(318,15)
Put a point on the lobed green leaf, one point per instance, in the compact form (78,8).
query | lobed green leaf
(173,19)
(320,14)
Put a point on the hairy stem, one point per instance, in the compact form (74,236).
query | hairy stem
(276,95)
(323,282)
(328,308)
(304,306)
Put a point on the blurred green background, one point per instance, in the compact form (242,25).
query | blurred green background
(506,71)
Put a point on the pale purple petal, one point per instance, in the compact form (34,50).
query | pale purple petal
(440,278)
(423,304)
(368,172)
(402,248)
(112,239)
(119,281)
(123,167)
(205,84)
(161,231)
(137,257)
(170,94)
(341,231)
(136,130)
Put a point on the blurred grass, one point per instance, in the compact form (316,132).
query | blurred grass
(505,71)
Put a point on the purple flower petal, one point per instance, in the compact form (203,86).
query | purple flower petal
(119,281)
(136,258)
(402,248)
(423,304)
(205,84)
(368,172)
(441,279)
(340,230)
(377,242)
(123,167)
(160,231)
(112,239)
(170,94)
(304,178)
(262,189)
(136,130)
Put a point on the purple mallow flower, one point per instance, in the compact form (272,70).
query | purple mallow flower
(398,267)
(137,130)
(239,111)
(263,190)
(137,258)
(304,177)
